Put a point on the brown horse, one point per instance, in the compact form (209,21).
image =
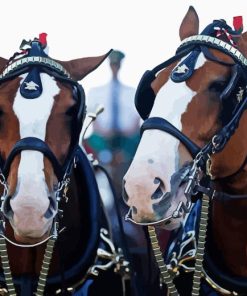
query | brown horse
(194,143)
(49,193)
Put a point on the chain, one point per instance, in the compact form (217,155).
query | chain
(165,275)
(201,246)
(62,187)
(3,247)
(49,247)
(5,187)
(6,268)
(45,266)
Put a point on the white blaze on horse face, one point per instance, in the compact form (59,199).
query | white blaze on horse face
(170,103)
(30,201)
(157,153)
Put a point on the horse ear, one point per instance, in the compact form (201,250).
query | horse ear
(189,25)
(79,68)
(242,44)
(3,63)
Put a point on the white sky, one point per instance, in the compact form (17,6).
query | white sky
(147,31)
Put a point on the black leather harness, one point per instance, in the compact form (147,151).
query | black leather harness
(36,62)
(144,101)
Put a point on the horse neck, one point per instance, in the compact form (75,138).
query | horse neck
(235,184)
(229,224)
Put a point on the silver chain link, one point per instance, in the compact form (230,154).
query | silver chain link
(6,268)
(63,187)
(165,275)
(45,267)
(201,246)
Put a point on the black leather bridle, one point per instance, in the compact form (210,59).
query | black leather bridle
(201,156)
(198,43)
(77,161)
(36,58)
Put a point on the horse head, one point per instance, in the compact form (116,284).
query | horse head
(42,108)
(188,100)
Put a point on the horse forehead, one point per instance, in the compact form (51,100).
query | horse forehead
(172,101)
(173,98)
(33,114)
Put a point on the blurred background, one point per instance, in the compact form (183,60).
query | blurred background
(146,31)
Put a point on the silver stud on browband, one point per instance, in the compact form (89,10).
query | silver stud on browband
(34,61)
(204,39)
(181,69)
(31,85)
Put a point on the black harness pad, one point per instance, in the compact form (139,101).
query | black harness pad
(145,96)
(231,95)
(186,68)
(31,88)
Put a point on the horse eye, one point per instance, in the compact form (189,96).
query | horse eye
(217,86)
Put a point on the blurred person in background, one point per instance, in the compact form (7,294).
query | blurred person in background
(115,136)
(116,131)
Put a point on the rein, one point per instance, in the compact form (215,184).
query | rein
(201,164)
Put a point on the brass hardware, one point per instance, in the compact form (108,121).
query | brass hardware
(208,168)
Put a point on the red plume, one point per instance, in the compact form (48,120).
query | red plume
(238,24)
(42,39)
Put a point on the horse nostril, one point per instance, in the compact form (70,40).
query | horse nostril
(158,192)
(51,209)
(6,207)
(124,193)
(53,203)
(134,210)
(157,180)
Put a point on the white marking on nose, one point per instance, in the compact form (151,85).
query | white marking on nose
(33,115)
(170,103)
